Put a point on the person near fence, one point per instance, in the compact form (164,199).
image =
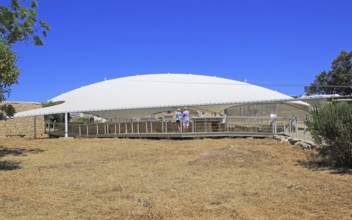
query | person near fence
(185,115)
(178,120)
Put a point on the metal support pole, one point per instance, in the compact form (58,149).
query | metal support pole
(296,123)
(193,127)
(87,131)
(79,130)
(305,130)
(66,125)
(289,126)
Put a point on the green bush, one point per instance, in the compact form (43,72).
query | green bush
(82,120)
(6,111)
(331,127)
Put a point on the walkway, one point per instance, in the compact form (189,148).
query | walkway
(259,127)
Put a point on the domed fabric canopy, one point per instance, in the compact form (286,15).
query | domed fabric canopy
(137,96)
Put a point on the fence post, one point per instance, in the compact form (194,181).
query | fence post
(289,126)
(192,121)
(305,130)
(296,126)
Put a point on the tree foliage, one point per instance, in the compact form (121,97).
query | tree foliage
(8,70)
(8,75)
(336,81)
(6,111)
(17,23)
(331,127)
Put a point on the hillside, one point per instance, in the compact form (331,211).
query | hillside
(167,179)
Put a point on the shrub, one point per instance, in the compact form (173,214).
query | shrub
(331,127)
(82,120)
(6,111)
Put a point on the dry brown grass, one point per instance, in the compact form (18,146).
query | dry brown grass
(166,179)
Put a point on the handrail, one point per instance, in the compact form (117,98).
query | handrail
(216,124)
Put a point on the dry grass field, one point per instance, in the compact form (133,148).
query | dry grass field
(167,179)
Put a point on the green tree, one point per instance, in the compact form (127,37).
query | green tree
(17,23)
(8,70)
(336,81)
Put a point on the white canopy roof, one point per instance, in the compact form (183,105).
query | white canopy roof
(136,96)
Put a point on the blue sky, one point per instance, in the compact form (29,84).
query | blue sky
(270,43)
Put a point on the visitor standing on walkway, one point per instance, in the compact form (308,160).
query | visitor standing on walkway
(178,120)
(185,116)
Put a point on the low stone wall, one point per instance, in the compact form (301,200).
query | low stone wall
(304,144)
(23,127)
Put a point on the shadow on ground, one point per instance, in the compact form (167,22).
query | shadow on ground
(321,165)
(12,165)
